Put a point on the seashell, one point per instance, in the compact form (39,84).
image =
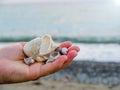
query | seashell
(47,45)
(53,56)
(31,49)
(40,48)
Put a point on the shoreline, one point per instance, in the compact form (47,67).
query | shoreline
(89,72)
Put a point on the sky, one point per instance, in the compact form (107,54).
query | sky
(30,1)
(89,17)
(21,1)
(115,2)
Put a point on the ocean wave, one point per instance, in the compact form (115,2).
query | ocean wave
(62,39)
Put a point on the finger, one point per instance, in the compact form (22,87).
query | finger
(23,43)
(76,48)
(37,70)
(71,55)
(66,44)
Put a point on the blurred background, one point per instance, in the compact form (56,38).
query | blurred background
(93,25)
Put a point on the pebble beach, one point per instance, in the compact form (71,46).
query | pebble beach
(79,75)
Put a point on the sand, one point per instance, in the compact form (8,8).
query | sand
(54,85)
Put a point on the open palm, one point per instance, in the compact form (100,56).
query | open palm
(13,69)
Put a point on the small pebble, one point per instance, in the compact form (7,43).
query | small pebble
(64,51)
(29,60)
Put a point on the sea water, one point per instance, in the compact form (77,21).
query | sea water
(94,52)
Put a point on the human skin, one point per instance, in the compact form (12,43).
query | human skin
(14,70)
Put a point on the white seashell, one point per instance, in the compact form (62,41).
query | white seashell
(47,45)
(40,59)
(40,48)
(31,49)
(53,56)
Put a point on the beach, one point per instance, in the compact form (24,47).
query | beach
(79,75)
(88,71)
(55,85)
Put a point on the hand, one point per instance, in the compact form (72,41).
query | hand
(14,70)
